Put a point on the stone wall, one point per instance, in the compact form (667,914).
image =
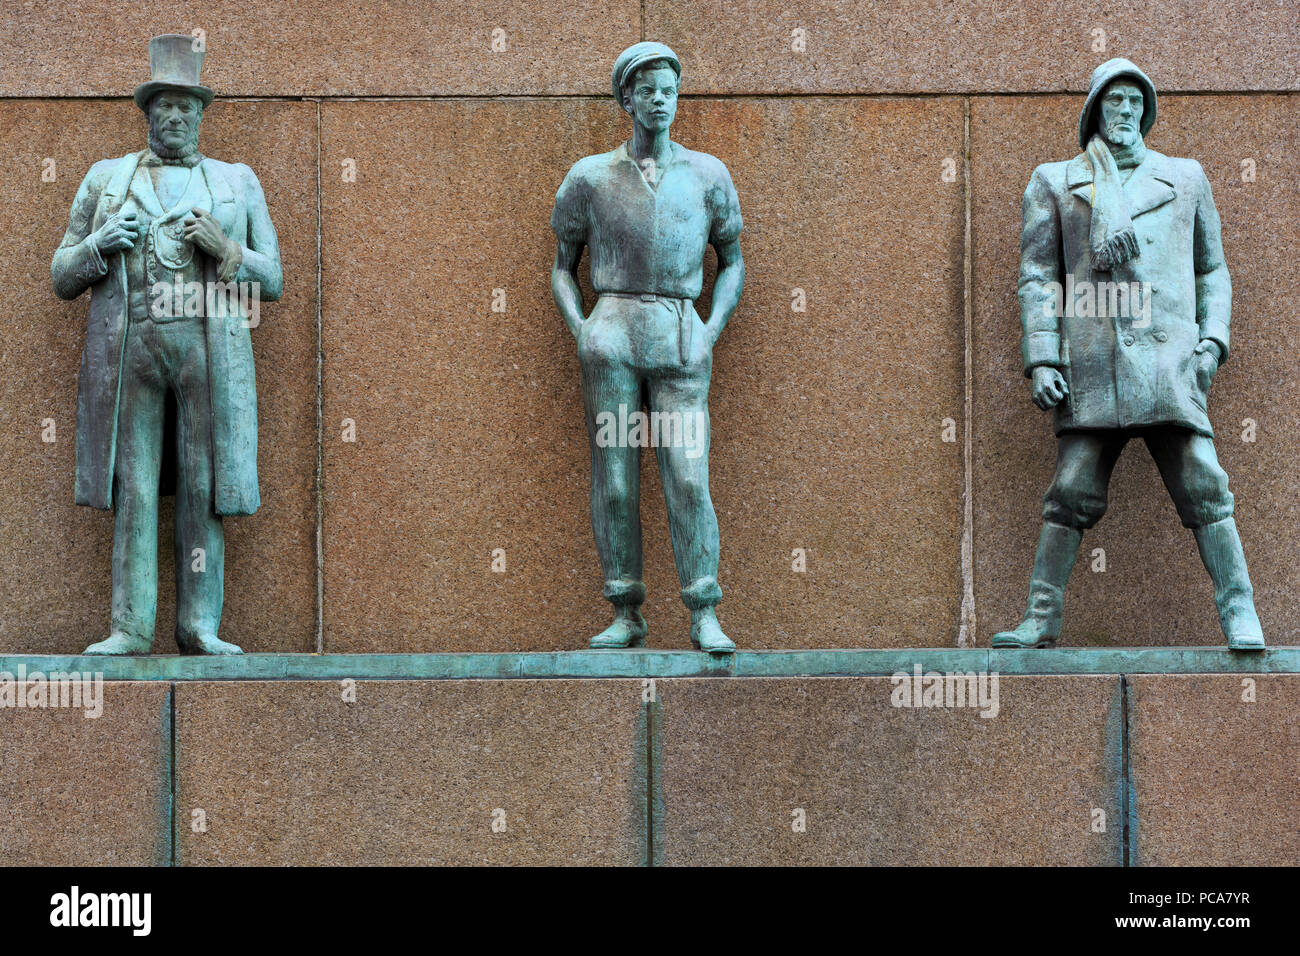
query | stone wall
(880,168)
(1097,770)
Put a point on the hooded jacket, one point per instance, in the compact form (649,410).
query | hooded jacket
(1124,339)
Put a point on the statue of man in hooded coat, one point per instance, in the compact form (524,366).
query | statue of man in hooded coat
(1125,304)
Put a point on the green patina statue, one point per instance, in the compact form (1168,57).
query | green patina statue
(177,250)
(1125,303)
(647,210)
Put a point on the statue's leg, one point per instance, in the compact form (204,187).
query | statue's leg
(611,389)
(679,396)
(199,541)
(1198,485)
(135,499)
(1075,501)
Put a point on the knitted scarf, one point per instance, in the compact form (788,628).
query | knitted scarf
(1111,236)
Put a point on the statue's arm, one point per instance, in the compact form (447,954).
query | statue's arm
(77,263)
(261,257)
(1040,276)
(724,236)
(564,284)
(1213,285)
(726,288)
(569,223)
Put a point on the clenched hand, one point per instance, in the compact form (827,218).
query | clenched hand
(1049,388)
(205,232)
(118,233)
(1208,364)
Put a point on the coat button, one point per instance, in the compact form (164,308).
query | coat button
(1128,340)
(1161,337)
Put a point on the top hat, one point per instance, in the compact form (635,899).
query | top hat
(637,56)
(174,63)
(1103,76)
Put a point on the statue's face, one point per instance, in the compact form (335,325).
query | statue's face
(1121,113)
(174,119)
(651,97)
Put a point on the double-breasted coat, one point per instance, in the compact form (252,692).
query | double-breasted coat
(1136,369)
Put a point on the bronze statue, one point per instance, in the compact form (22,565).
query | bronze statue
(177,250)
(1125,303)
(646,211)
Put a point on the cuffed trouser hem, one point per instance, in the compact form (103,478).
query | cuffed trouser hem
(621,593)
(1054,512)
(702,593)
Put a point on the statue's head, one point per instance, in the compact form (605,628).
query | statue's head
(650,95)
(1121,104)
(1121,113)
(173,98)
(174,118)
(645,81)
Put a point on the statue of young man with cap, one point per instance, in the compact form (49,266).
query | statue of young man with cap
(646,211)
(174,247)
(1121,223)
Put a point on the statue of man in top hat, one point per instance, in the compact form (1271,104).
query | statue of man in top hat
(1125,303)
(646,211)
(176,249)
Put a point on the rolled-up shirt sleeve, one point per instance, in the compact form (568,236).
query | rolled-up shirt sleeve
(727,223)
(569,217)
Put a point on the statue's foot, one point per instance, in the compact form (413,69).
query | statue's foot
(1241,624)
(706,633)
(207,644)
(1245,642)
(628,630)
(1028,633)
(119,643)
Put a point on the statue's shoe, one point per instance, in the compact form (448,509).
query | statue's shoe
(1240,623)
(1026,635)
(1246,642)
(207,644)
(706,635)
(624,632)
(118,643)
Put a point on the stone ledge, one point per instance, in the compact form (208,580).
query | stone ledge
(666,664)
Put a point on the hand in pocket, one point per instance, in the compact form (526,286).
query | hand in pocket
(1207,364)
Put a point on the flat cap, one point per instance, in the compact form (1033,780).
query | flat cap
(637,56)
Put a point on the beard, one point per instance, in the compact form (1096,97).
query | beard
(163,151)
(1120,135)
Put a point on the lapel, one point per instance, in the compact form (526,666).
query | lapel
(223,197)
(1150,186)
(118,186)
(143,190)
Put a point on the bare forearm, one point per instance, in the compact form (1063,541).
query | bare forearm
(568,298)
(726,296)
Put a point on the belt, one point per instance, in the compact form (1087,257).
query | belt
(677,303)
